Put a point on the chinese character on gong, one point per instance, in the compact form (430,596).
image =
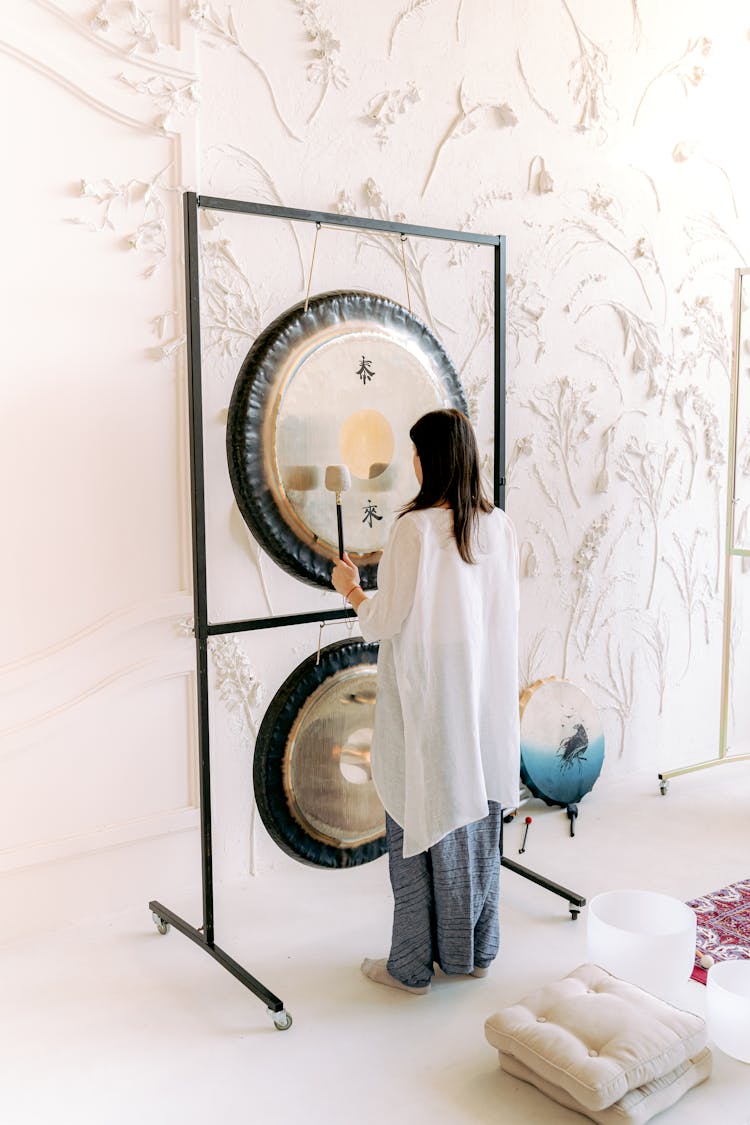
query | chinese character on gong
(365,370)
(371,513)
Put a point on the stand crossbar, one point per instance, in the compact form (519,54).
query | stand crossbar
(575,901)
(169,918)
(203,936)
(278,622)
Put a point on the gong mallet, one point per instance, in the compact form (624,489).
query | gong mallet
(572,811)
(522,848)
(338,480)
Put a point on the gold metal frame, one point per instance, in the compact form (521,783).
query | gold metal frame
(731,552)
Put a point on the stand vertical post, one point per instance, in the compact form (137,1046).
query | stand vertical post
(200,596)
(575,901)
(204,935)
(499,347)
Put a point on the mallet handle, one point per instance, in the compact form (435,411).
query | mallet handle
(340,525)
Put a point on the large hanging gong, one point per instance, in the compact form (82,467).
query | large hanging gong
(311,771)
(338,383)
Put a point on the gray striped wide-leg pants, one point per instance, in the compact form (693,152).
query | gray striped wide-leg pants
(445,901)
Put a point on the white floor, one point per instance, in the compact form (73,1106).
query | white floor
(110,1022)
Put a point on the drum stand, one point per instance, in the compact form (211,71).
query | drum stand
(164,918)
(575,901)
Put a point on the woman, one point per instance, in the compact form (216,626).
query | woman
(445,754)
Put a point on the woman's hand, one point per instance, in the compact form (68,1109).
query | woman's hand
(345,575)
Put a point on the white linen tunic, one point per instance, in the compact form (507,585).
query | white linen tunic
(446,738)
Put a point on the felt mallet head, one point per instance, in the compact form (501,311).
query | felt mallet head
(338,480)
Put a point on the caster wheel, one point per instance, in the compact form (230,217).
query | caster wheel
(663,788)
(282,1020)
(162,926)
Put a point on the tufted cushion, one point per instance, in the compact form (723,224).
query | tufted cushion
(637,1106)
(595,1036)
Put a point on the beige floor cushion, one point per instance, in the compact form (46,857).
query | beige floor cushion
(595,1036)
(637,1106)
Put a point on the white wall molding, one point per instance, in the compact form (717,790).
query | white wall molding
(83,26)
(172,608)
(79,92)
(112,836)
(113,684)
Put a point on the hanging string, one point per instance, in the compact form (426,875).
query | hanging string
(406,272)
(312,263)
(348,623)
(318,228)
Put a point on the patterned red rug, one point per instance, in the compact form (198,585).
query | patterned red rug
(723,926)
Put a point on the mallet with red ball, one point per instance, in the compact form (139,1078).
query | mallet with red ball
(522,848)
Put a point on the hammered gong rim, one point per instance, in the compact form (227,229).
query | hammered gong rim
(291,831)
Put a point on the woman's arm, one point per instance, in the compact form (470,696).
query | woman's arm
(382,615)
(356,597)
(345,579)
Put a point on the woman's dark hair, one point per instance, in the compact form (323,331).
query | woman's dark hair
(447,450)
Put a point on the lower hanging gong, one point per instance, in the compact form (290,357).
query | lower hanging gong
(338,380)
(311,772)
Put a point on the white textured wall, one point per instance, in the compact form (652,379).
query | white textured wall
(97,747)
(598,137)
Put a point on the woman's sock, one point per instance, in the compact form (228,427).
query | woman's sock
(378,972)
(477,971)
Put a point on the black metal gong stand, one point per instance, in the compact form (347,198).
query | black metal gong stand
(203,935)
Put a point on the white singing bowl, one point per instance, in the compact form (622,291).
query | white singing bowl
(728,1007)
(642,937)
